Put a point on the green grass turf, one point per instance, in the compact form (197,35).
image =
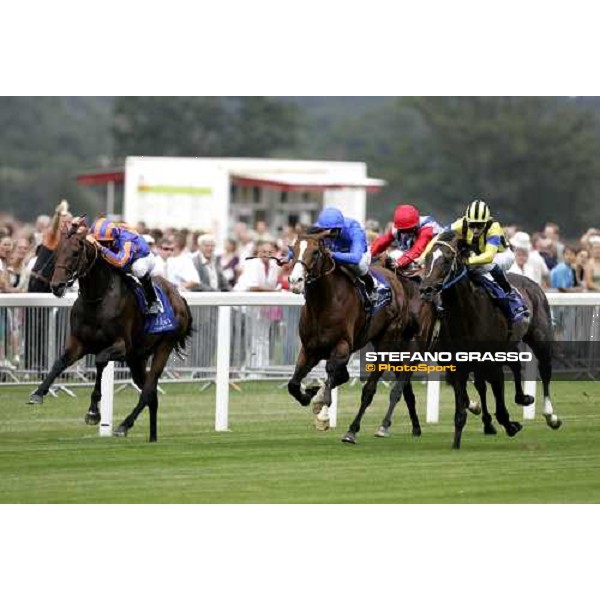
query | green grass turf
(273,455)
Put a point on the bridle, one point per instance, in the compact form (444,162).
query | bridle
(74,273)
(454,275)
(321,253)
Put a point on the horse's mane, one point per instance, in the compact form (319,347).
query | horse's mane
(312,230)
(447,236)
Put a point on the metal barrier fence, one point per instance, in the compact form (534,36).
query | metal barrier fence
(263,340)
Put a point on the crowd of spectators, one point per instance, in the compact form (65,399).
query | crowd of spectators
(194,262)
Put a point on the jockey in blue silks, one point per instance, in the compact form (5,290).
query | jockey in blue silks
(124,248)
(347,242)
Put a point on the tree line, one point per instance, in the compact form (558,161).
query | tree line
(532,158)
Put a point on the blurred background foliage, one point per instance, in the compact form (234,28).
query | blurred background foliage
(533,158)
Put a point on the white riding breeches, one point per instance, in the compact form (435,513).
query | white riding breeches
(362,268)
(504,260)
(143,266)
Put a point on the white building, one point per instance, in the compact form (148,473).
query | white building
(213,193)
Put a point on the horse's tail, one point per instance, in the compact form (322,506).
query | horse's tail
(187,334)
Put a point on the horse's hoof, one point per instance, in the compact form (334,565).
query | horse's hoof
(321,424)
(416,432)
(349,438)
(513,428)
(382,432)
(474,409)
(553,421)
(489,430)
(524,400)
(35,399)
(92,418)
(120,431)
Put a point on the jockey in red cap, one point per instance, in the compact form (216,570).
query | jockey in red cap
(411,234)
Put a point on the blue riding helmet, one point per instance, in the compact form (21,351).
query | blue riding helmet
(330,218)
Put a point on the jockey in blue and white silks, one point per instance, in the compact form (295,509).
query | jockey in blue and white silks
(348,244)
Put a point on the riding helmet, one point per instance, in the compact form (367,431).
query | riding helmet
(104,230)
(478,212)
(406,216)
(330,218)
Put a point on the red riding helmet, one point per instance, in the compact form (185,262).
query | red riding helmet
(406,216)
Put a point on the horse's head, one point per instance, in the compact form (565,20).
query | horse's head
(74,257)
(444,263)
(311,260)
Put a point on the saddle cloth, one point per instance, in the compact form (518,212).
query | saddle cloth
(164,320)
(382,292)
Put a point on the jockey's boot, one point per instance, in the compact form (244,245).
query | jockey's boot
(517,307)
(152,303)
(370,289)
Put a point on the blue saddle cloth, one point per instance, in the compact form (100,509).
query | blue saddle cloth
(383,292)
(512,304)
(164,320)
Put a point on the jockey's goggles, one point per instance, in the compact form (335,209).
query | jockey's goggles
(476,225)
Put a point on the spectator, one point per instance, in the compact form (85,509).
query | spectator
(208,268)
(245,239)
(563,276)
(262,273)
(21,263)
(141,227)
(545,248)
(180,268)
(42,223)
(585,238)
(373,225)
(230,262)
(528,262)
(552,232)
(262,230)
(7,284)
(44,264)
(592,268)
(581,260)
(163,250)
(510,230)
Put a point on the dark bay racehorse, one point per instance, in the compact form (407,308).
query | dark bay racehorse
(105,320)
(472,319)
(334,324)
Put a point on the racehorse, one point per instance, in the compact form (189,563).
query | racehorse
(473,319)
(105,320)
(334,324)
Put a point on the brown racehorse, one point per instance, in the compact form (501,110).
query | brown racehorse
(106,321)
(334,324)
(473,319)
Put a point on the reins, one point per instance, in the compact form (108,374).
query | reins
(445,283)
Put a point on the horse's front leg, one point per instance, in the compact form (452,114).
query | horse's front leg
(72,353)
(114,352)
(337,374)
(92,417)
(304,365)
